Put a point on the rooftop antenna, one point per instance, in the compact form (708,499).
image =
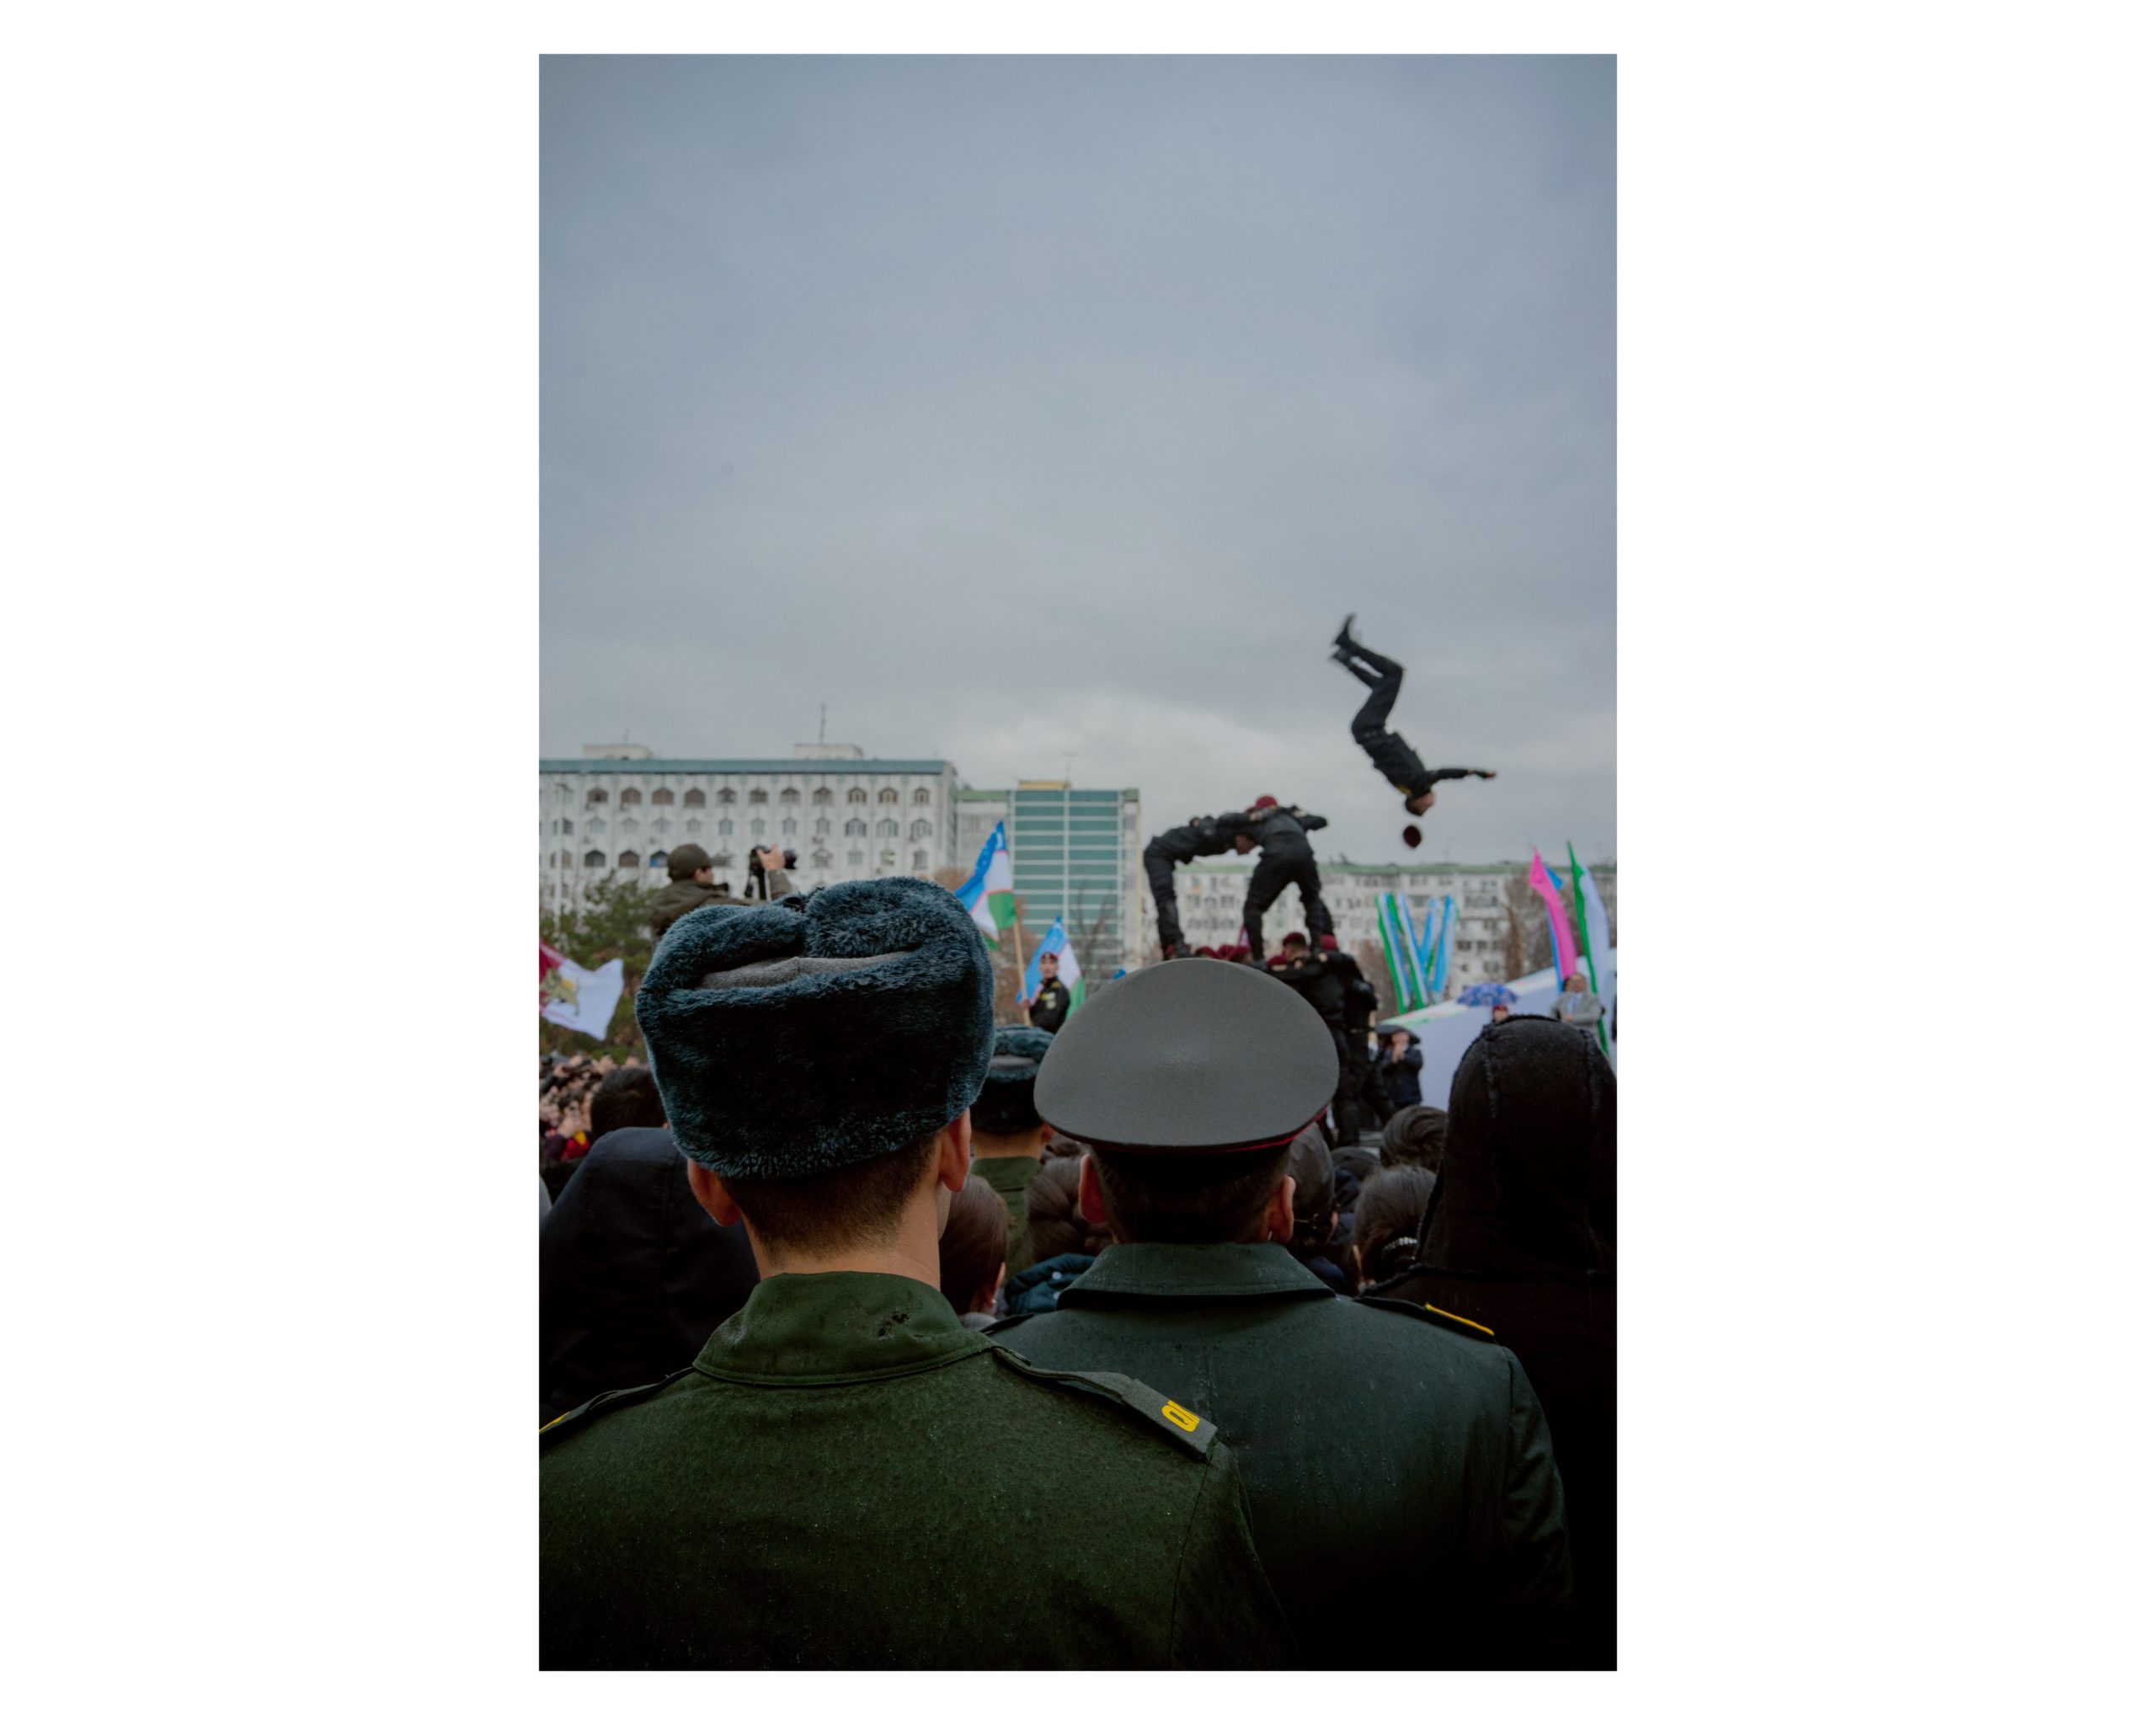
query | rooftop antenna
(821,710)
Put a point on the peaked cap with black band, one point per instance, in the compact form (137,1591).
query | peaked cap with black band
(1005,1105)
(815,1032)
(1189,1058)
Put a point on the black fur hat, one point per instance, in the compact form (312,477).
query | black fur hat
(809,1035)
(1006,1100)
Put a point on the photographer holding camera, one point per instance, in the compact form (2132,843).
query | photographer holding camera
(689,885)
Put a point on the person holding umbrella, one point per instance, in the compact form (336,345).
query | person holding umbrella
(1495,995)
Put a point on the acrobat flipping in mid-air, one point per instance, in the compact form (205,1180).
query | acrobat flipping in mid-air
(1388,750)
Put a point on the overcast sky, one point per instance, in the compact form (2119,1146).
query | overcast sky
(1049,413)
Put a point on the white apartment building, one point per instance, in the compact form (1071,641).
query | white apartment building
(1209,896)
(620,809)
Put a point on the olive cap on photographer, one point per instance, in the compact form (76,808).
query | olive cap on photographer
(1189,1057)
(815,1033)
(683,861)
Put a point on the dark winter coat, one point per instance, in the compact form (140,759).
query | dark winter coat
(633,1275)
(1521,1236)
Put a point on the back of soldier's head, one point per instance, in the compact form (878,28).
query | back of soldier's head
(810,1050)
(1187,1083)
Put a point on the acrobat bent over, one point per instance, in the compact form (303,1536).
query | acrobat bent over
(1201,835)
(1281,836)
(1388,750)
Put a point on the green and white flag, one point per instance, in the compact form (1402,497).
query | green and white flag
(987,893)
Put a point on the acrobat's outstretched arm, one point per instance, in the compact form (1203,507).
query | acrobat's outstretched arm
(1445,773)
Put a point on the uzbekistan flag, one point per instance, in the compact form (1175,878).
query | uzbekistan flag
(1066,968)
(987,892)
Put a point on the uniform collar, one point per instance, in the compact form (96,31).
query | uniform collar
(838,1327)
(1159,1272)
(1006,1174)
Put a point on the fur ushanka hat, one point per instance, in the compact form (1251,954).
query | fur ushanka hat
(1006,1100)
(807,1035)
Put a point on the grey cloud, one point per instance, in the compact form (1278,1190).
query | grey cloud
(1030,409)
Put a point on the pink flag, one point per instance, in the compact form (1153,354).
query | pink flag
(1560,924)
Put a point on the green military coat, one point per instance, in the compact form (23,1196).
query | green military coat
(1401,1485)
(1009,1176)
(848,1476)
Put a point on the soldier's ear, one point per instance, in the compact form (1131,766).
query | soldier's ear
(1280,1212)
(954,1152)
(711,1194)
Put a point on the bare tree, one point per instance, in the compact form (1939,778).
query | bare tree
(1371,957)
(1008,959)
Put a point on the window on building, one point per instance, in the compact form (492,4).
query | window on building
(856,828)
(920,859)
(725,829)
(822,794)
(756,827)
(854,859)
(594,824)
(789,795)
(822,859)
(692,799)
(922,828)
(856,795)
(661,796)
(627,859)
(886,795)
(789,826)
(760,796)
(595,859)
(629,823)
(692,825)
(562,794)
(887,829)
(632,795)
(596,796)
(921,794)
(657,859)
(823,827)
(725,796)
(662,825)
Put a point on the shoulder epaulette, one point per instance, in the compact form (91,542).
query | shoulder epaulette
(1192,1430)
(1433,1314)
(564,1423)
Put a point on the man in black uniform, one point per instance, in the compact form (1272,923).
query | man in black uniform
(1051,1002)
(1388,750)
(1201,835)
(1401,1486)
(1280,837)
(1322,978)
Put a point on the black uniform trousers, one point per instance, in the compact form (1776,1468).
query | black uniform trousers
(1160,882)
(1277,869)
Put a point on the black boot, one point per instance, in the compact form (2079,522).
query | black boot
(1344,642)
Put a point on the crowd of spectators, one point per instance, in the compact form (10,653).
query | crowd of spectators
(1496,1215)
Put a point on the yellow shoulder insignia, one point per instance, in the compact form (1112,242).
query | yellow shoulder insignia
(1458,1319)
(1188,1428)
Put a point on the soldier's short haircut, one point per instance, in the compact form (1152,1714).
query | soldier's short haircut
(1188,1200)
(857,1205)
